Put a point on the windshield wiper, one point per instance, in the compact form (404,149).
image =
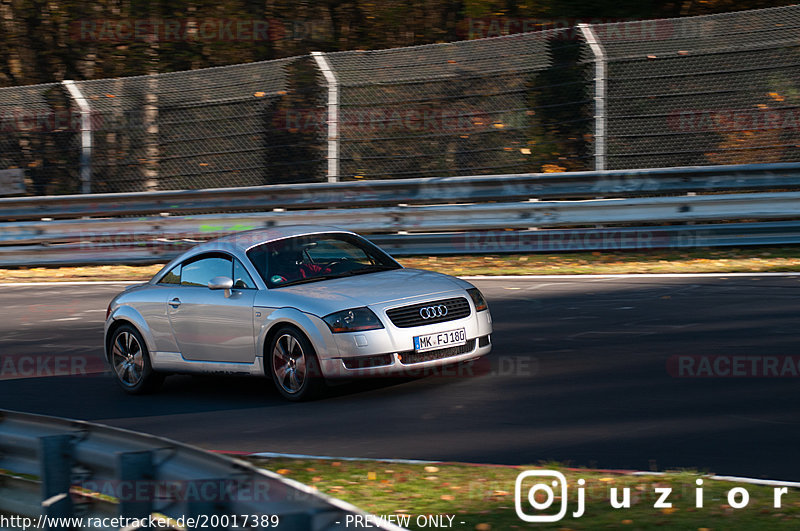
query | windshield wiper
(303,281)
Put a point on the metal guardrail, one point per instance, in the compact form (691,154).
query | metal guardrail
(60,468)
(619,183)
(425,216)
(144,249)
(438,218)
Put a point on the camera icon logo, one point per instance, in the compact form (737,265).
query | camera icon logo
(548,482)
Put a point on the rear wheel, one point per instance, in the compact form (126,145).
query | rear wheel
(131,362)
(294,366)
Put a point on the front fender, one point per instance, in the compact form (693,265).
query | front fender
(314,328)
(130,315)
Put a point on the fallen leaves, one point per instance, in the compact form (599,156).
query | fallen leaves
(483,502)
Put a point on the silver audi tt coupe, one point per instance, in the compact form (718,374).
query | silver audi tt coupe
(300,305)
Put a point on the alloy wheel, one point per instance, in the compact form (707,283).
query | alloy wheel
(128,359)
(289,363)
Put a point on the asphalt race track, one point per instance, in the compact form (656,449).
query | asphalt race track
(584,371)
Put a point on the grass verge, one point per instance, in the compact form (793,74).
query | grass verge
(733,260)
(482,497)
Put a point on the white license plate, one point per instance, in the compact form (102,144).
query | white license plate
(451,338)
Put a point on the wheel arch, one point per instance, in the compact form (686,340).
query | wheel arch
(323,346)
(313,382)
(123,315)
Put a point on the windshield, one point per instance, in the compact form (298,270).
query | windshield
(317,257)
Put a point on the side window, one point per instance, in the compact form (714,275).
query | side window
(173,277)
(199,271)
(241,279)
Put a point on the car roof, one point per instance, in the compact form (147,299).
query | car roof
(246,239)
(240,242)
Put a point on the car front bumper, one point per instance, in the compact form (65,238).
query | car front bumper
(390,351)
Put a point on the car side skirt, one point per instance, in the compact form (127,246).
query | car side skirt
(173,362)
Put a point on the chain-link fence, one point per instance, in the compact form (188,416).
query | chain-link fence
(719,89)
(716,89)
(38,134)
(206,128)
(507,105)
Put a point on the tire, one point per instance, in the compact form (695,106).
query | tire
(130,362)
(293,365)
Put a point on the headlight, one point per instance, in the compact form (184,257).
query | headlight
(477,299)
(354,320)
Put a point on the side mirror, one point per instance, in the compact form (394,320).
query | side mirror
(225,283)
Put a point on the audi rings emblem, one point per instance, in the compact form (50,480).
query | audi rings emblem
(432,312)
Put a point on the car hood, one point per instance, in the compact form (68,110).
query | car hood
(327,296)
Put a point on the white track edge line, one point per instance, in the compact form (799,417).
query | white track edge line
(752,481)
(628,275)
(732,479)
(272,455)
(72,283)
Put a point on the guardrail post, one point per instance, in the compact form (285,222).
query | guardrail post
(151,128)
(333,115)
(135,467)
(599,96)
(55,459)
(86,134)
(197,509)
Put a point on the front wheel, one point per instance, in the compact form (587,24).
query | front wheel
(294,366)
(131,362)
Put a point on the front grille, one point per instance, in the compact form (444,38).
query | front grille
(407,358)
(366,362)
(409,316)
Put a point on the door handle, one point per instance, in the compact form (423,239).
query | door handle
(175,302)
